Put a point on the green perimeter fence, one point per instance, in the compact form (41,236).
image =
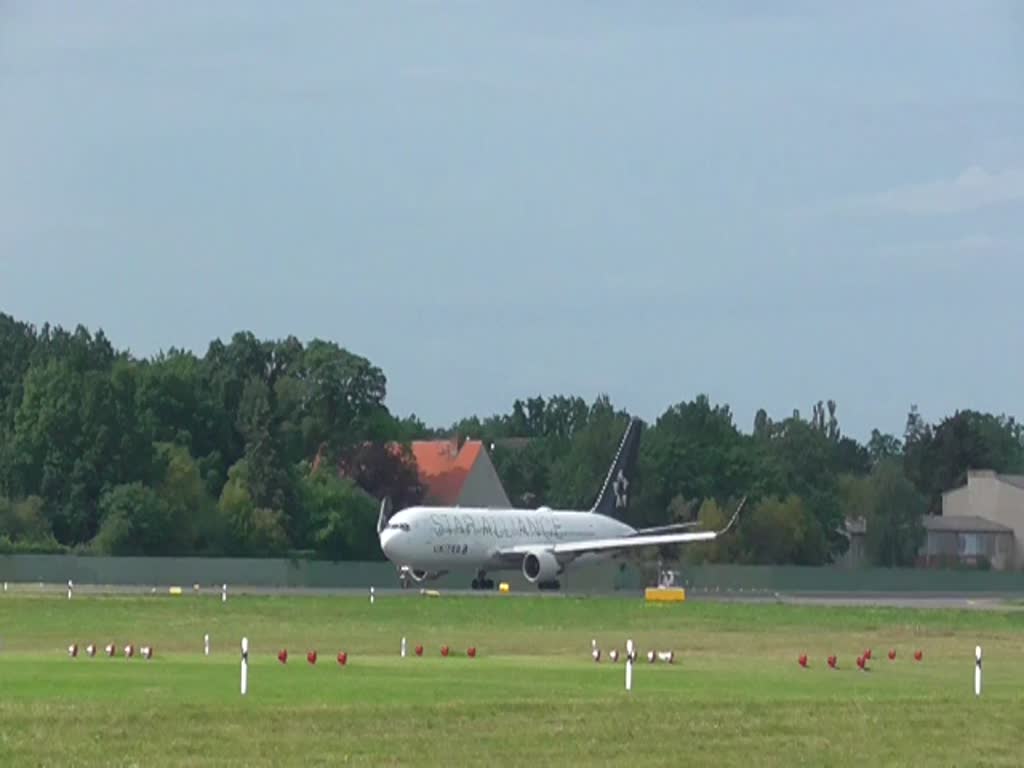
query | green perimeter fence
(610,578)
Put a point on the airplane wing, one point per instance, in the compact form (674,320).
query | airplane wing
(624,542)
(671,528)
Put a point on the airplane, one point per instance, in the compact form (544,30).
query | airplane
(426,542)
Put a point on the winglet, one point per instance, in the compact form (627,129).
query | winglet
(732,519)
(385,513)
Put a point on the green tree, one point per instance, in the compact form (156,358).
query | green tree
(693,450)
(882,446)
(781,531)
(75,435)
(24,527)
(344,398)
(714,517)
(342,516)
(134,521)
(894,526)
(253,530)
(525,470)
(196,525)
(936,459)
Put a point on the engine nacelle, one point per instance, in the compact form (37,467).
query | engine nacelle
(540,566)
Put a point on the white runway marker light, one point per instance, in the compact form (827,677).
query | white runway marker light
(206,645)
(245,665)
(70,588)
(403,647)
(224,593)
(977,670)
(372,596)
(630,658)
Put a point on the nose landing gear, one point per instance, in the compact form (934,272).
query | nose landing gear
(481,582)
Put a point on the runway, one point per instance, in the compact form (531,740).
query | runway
(910,600)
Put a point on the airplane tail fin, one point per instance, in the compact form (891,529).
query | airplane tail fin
(614,496)
(385,514)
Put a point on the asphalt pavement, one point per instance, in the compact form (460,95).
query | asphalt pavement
(971,600)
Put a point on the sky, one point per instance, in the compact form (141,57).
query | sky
(499,199)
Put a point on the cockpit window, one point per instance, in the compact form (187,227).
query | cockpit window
(399,526)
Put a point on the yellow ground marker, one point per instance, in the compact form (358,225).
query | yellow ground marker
(665,594)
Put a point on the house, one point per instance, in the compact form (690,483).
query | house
(949,540)
(458,473)
(996,498)
(965,540)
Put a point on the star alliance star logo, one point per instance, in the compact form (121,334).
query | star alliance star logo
(621,489)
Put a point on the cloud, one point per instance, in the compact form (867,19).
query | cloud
(972,190)
(955,255)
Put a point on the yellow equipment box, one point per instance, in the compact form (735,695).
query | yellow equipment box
(665,595)
(503,587)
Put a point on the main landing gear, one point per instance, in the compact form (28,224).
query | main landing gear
(482,582)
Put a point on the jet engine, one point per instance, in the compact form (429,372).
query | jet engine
(540,566)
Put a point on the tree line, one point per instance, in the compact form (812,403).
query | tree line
(275,447)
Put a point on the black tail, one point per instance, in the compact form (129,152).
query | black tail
(614,496)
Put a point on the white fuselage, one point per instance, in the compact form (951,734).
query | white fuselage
(444,538)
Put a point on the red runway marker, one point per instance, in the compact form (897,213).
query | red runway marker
(282,656)
(419,650)
(892,655)
(471,652)
(832,661)
(342,658)
(311,657)
(803,660)
(444,650)
(918,655)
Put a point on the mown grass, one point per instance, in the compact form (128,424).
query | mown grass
(735,696)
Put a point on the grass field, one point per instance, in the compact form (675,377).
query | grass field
(735,696)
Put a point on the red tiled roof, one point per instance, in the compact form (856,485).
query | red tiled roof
(443,468)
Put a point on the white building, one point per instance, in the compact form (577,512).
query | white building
(995,498)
